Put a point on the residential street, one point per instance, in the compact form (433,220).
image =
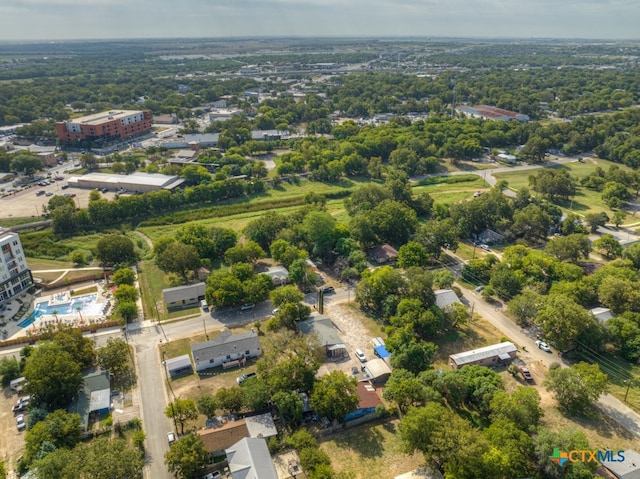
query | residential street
(152,399)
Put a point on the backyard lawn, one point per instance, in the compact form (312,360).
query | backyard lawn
(370,451)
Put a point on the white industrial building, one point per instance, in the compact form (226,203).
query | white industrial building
(134,183)
(15,276)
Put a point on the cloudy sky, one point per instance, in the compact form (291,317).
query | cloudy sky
(84,19)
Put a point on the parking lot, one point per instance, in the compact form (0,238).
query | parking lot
(29,203)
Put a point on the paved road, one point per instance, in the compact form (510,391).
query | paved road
(152,399)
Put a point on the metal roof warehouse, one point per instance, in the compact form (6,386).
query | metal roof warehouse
(135,182)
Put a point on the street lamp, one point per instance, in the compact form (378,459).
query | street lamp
(204,325)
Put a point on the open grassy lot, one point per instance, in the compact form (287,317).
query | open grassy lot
(476,334)
(369,451)
(585,200)
(41,263)
(448,191)
(151,281)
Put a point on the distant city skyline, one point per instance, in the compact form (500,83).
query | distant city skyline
(40,20)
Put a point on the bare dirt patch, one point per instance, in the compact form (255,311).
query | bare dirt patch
(11,440)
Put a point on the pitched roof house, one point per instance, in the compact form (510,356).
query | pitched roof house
(249,458)
(183,296)
(225,348)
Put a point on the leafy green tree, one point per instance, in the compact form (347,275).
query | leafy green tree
(230,400)
(9,369)
(563,320)
(618,217)
(443,278)
(126,293)
(566,439)
(505,282)
(58,464)
(78,257)
(115,358)
(127,310)
(555,184)
(52,375)
(366,198)
(106,458)
(198,236)
(207,405)
(59,429)
(114,249)
(222,239)
(511,451)
(320,231)
(182,410)
(335,395)
(404,389)
(608,246)
(249,252)
(572,247)
(286,294)
(522,407)
(124,276)
(179,258)
(414,356)
(378,285)
(524,307)
(596,220)
(289,404)
(393,222)
(576,388)
(26,163)
(186,457)
(255,394)
(412,254)
(531,223)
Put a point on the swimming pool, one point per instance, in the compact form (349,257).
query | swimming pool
(85,303)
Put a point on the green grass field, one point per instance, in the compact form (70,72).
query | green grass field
(585,200)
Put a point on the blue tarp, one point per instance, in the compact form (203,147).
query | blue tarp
(381,351)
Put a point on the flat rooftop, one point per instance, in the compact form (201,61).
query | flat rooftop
(98,118)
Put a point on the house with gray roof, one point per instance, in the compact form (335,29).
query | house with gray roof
(225,349)
(179,365)
(326,332)
(183,296)
(494,355)
(249,458)
(445,298)
(94,396)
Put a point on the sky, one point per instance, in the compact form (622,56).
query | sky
(101,19)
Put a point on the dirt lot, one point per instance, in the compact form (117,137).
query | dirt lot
(11,440)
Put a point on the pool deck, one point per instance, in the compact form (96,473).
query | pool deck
(76,318)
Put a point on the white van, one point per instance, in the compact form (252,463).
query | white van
(204,305)
(17,385)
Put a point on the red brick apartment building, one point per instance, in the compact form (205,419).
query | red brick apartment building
(106,126)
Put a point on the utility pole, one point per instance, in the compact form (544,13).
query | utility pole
(473,305)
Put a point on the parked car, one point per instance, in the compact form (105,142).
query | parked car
(213,475)
(244,377)
(525,373)
(360,355)
(20,424)
(328,289)
(204,305)
(40,192)
(22,404)
(479,289)
(171,437)
(64,187)
(49,193)
(485,247)
(247,306)
(275,311)
(544,346)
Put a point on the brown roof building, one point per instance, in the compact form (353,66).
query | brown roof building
(224,436)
